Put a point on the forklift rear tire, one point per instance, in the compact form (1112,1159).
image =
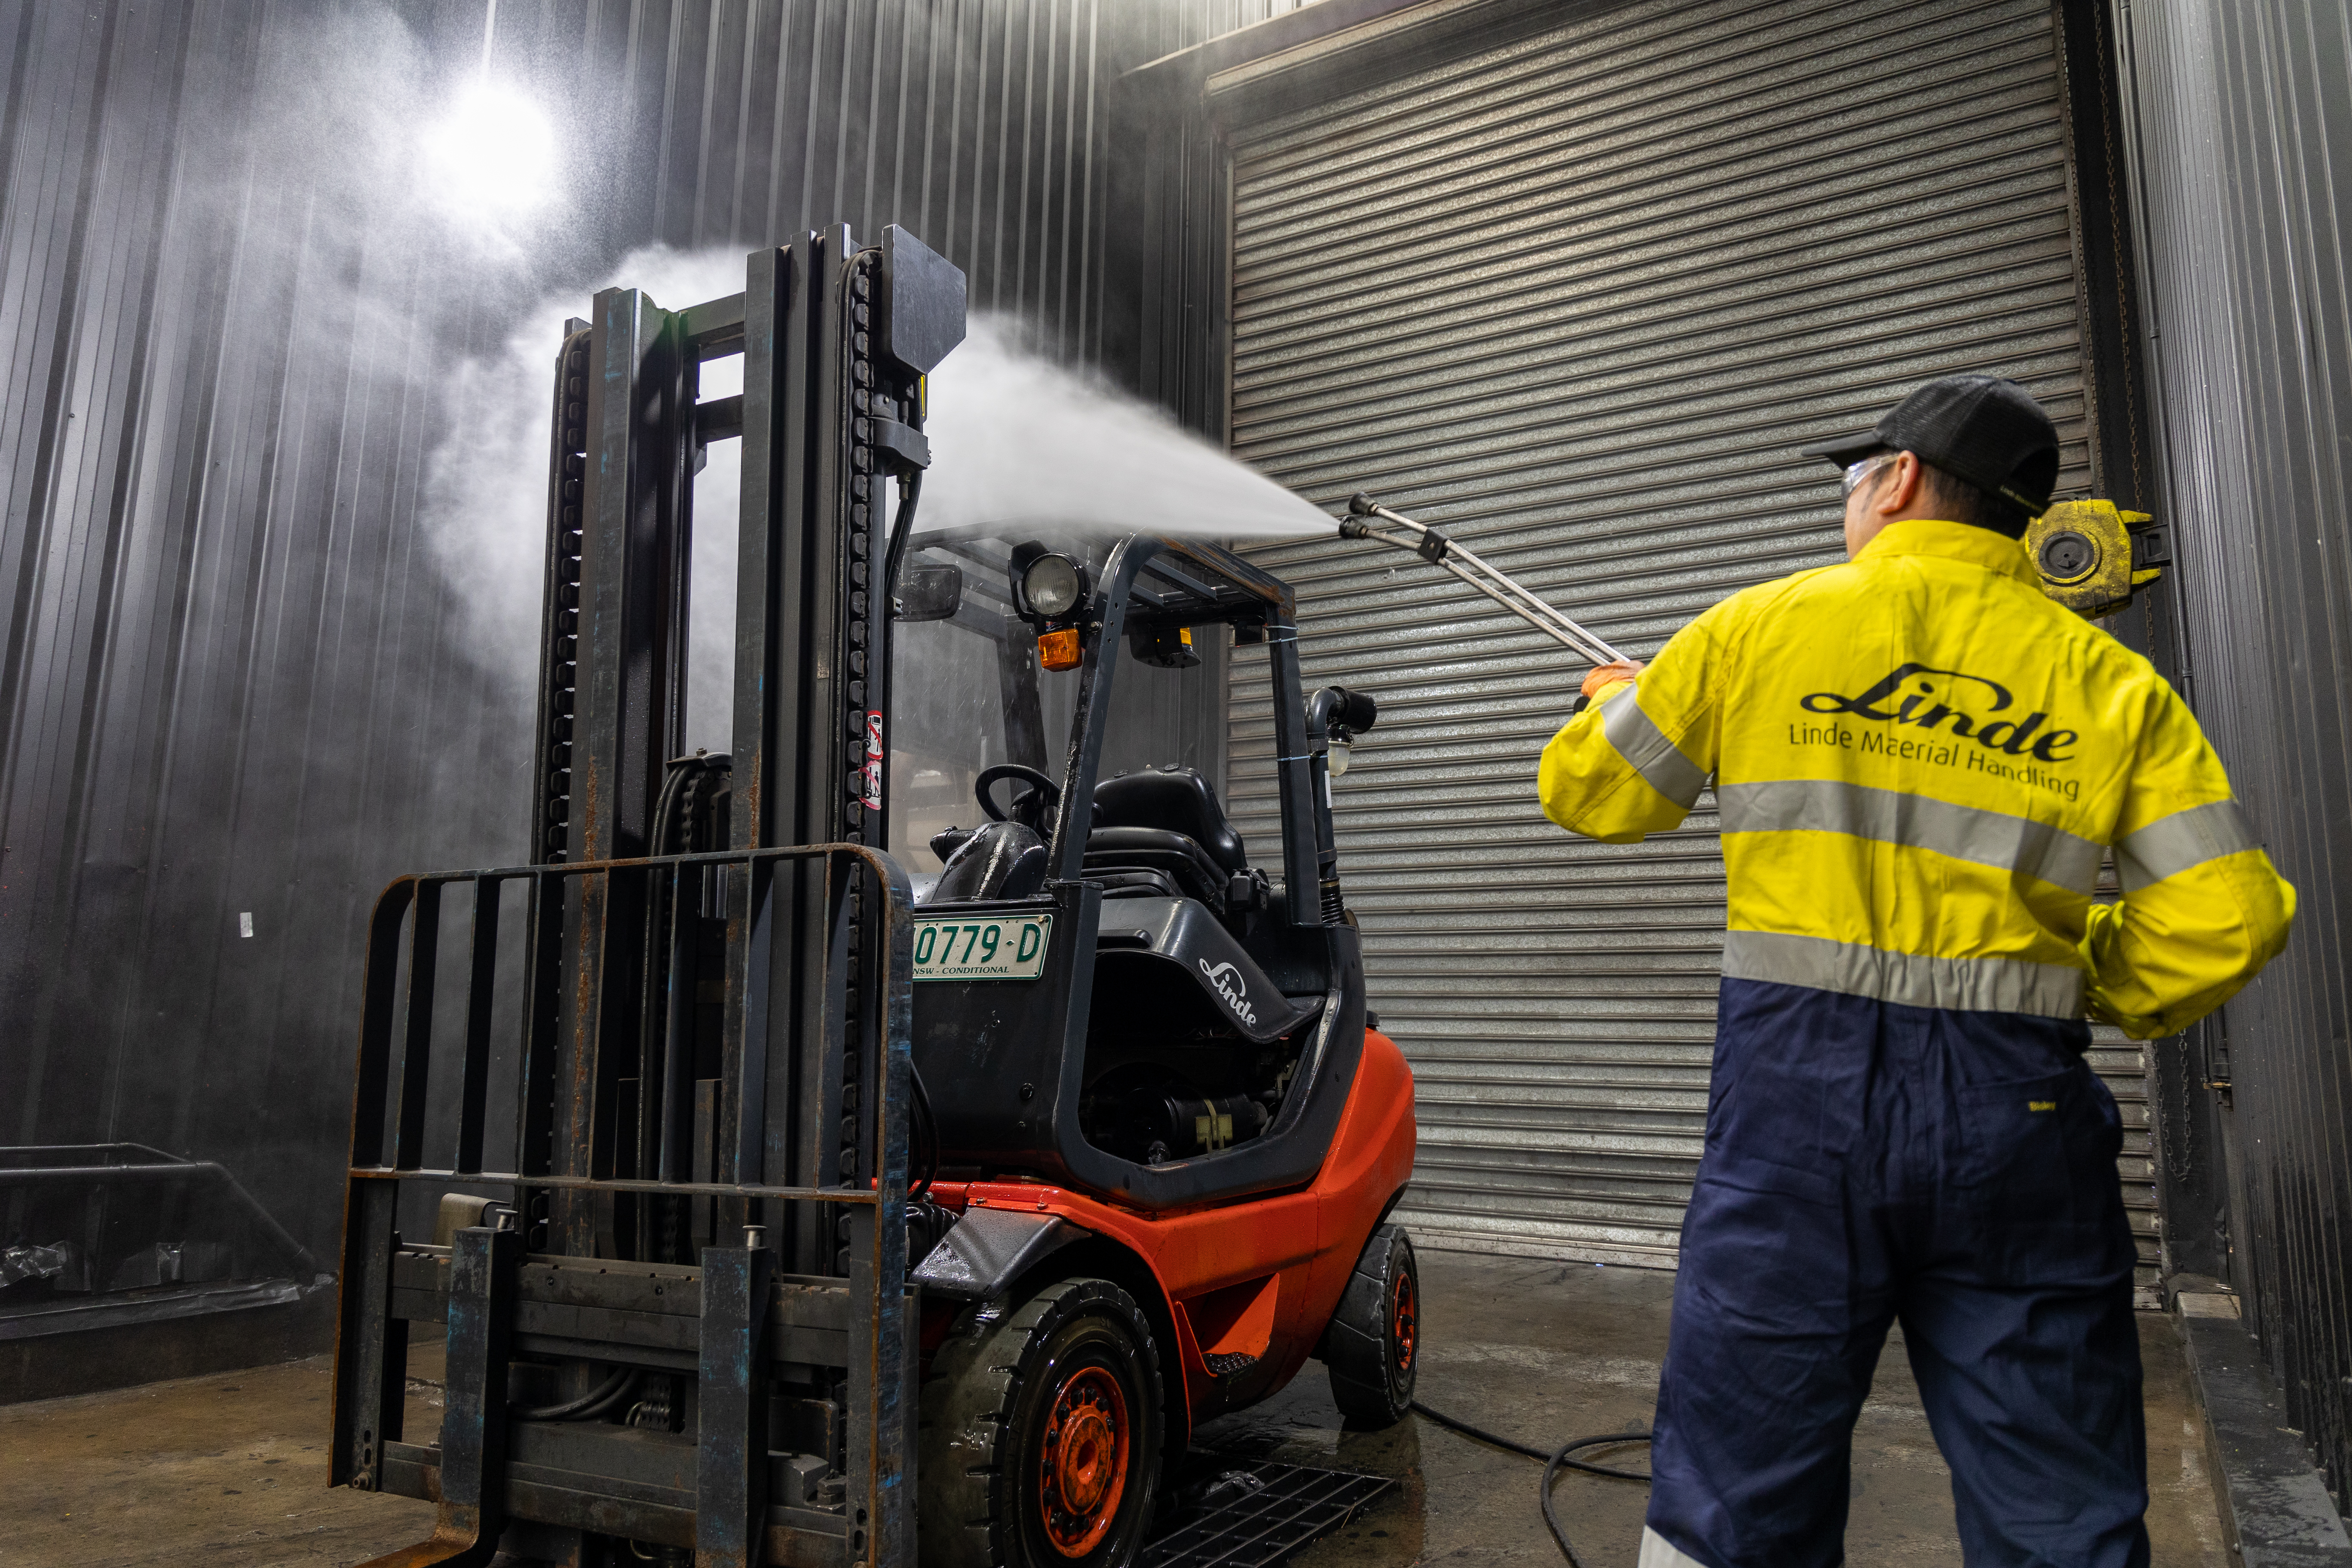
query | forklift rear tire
(1372,1347)
(1041,1433)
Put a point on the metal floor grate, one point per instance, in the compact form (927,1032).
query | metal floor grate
(1255,1515)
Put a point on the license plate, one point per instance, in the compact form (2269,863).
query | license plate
(1001,947)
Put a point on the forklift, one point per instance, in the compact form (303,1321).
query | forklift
(774,1202)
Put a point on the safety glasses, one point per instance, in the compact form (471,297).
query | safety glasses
(1856,473)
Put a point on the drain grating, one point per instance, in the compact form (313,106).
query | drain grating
(1256,1515)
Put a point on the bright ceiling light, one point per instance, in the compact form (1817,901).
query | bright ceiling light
(492,156)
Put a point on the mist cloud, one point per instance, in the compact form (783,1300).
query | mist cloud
(1016,439)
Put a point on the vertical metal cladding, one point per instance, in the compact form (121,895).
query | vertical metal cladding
(221,642)
(2239,121)
(1598,285)
(969,121)
(979,125)
(230,678)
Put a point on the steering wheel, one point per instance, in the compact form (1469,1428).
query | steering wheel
(1029,807)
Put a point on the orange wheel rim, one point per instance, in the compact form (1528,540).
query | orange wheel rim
(1404,1321)
(1082,1464)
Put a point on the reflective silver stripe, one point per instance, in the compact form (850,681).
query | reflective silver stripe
(1643,745)
(1913,980)
(1964,832)
(2171,845)
(1658,1552)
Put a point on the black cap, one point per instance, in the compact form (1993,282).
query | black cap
(1987,431)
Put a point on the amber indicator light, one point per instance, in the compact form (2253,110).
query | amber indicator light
(1059,650)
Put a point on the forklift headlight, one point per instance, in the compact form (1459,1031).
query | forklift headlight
(1055,586)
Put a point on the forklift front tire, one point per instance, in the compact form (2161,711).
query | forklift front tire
(1041,1433)
(1372,1348)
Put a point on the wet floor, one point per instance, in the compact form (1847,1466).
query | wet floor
(234,1467)
(1540,1353)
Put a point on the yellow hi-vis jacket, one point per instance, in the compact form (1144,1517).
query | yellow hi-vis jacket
(1919,759)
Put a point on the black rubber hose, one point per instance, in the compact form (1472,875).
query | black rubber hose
(902,529)
(886,641)
(592,1404)
(1553,1461)
(930,1135)
(675,774)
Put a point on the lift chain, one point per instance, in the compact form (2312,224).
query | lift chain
(564,619)
(861,814)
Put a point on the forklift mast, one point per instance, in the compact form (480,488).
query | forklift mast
(702,1222)
(835,340)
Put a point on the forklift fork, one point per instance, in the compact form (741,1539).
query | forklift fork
(473,1423)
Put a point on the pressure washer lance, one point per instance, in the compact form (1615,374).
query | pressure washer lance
(1440,550)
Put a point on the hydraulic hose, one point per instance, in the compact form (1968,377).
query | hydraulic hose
(588,1406)
(930,1135)
(1553,1460)
(902,529)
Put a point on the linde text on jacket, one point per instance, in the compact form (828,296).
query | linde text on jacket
(2016,737)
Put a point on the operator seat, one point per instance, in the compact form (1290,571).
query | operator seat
(1166,822)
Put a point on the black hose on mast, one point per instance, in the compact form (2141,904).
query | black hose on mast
(588,1406)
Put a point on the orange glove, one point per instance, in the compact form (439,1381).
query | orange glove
(1608,676)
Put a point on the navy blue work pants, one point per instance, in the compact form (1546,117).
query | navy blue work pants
(1868,1163)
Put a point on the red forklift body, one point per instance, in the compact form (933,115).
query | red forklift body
(1253,1281)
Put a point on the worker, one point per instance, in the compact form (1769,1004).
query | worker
(1919,761)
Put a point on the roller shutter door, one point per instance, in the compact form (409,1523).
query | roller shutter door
(1578,298)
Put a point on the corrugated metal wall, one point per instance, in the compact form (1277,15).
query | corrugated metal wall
(1623,269)
(232,680)
(2241,122)
(220,647)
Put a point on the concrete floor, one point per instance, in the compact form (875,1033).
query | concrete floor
(1544,1351)
(234,1467)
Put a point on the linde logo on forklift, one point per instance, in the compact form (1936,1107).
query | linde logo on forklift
(1945,688)
(1232,987)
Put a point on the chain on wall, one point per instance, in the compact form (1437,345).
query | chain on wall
(2175,1152)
